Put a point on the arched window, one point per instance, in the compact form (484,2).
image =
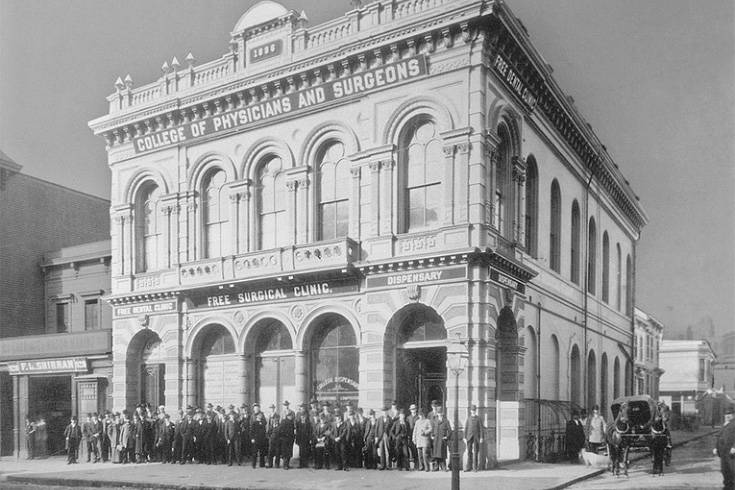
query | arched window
(275,379)
(503,218)
(616,378)
(271,205)
(628,378)
(591,380)
(531,206)
(214,214)
(147,228)
(603,384)
(335,360)
(605,267)
(575,243)
(628,285)
(591,257)
(618,294)
(530,363)
(555,228)
(421,170)
(575,376)
(214,357)
(554,373)
(334,191)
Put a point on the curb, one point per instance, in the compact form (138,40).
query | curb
(635,458)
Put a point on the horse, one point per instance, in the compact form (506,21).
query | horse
(617,446)
(659,441)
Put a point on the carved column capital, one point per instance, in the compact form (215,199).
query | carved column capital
(355,171)
(374,166)
(449,150)
(291,185)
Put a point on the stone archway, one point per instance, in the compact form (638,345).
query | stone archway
(213,352)
(270,363)
(415,354)
(146,370)
(509,386)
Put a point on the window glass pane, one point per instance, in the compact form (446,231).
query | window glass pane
(343,180)
(62,317)
(433,206)
(327,220)
(434,158)
(343,218)
(416,208)
(415,165)
(327,183)
(91,314)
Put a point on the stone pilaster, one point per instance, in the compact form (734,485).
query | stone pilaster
(448,201)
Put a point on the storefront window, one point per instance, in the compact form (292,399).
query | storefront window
(335,361)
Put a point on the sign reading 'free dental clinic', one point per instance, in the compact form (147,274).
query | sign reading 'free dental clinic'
(260,111)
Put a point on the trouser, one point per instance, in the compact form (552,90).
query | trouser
(304,455)
(285,451)
(425,458)
(163,452)
(341,455)
(273,453)
(232,452)
(473,454)
(71,453)
(414,455)
(321,457)
(402,455)
(187,449)
(370,454)
(383,452)
(726,467)
(259,450)
(91,448)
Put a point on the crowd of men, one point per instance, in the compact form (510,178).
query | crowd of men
(327,437)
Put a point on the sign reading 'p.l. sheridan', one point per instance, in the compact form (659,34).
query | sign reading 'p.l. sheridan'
(256,112)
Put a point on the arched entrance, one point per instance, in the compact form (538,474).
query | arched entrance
(508,386)
(214,351)
(333,360)
(575,376)
(415,347)
(274,372)
(591,381)
(146,370)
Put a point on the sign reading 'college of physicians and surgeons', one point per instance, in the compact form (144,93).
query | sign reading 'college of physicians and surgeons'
(261,111)
(48,366)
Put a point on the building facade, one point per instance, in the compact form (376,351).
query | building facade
(37,216)
(318,213)
(724,369)
(688,373)
(647,343)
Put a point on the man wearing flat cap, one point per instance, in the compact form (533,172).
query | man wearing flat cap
(725,449)
(473,437)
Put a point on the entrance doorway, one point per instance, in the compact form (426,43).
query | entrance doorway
(421,376)
(50,397)
(415,347)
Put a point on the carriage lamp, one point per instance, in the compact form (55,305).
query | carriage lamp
(457,356)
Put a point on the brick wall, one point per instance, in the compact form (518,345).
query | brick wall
(35,217)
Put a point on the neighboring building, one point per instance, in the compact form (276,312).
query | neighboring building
(647,342)
(321,211)
(66,370)
(35,216)
(687,366)
(725,365)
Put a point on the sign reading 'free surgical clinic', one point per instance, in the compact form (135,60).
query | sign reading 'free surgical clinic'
(261,111)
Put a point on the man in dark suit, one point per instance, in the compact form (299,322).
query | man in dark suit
(401,436)
(187,430)
(382,439)
(725,449)
(96,429)
(286,433)
(232,439)
(473,437)
(322,443)
(342,442)
(304,436)
(574,437)
(370,440)
(73,435)
(258,437)
(271,432)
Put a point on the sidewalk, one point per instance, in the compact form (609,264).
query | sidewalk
(55,472)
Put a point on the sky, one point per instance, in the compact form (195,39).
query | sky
(655,79)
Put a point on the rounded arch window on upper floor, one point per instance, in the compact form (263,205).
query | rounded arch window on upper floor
(270,202)
(503,200)
(333,212)
(420,171)
(531,184)
(148,227)
(215,216)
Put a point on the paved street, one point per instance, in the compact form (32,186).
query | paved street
(692,466)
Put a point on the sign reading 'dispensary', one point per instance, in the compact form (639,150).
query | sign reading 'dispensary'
(244,117)
(416,276)
(253,294)
(507,281)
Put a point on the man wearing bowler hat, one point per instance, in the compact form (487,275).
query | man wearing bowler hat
(473,437)
(725,449)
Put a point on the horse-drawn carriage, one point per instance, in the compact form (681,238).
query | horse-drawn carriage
(640,424)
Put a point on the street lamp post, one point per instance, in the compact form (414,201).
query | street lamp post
(456,361)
